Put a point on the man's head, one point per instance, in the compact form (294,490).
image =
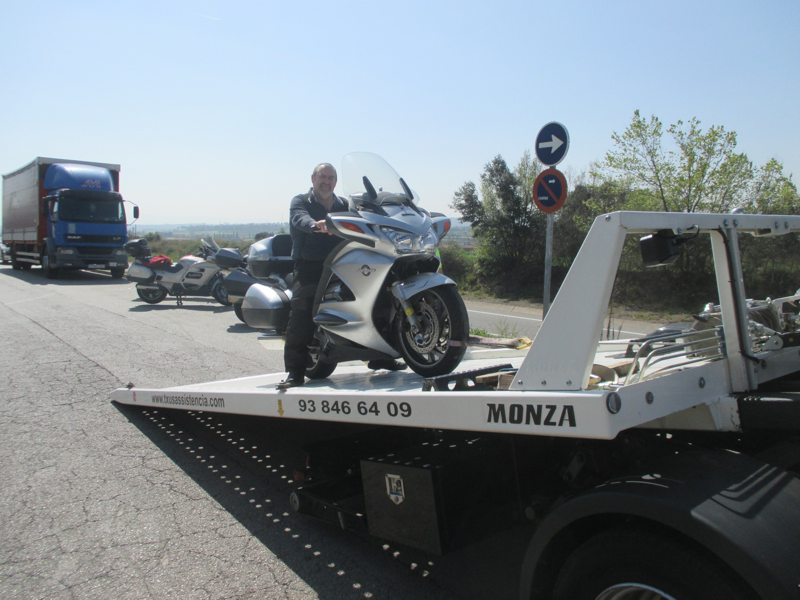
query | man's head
(323,179)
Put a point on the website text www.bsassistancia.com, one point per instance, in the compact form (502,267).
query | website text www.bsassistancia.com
(198,401)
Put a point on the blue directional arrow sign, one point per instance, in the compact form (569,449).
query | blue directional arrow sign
(552,144)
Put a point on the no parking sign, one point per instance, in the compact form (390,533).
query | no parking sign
(550,190)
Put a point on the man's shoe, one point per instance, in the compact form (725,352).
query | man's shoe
(386,363)
(293,379)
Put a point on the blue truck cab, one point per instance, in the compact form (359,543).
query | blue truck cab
(63,214)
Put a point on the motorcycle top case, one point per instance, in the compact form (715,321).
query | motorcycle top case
(140,274)
(138,248)
(271,256)
(228,258)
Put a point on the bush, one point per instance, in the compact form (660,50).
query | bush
(458,264)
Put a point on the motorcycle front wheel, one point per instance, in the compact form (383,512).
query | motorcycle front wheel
(220,293)
(440,345)
(152,296)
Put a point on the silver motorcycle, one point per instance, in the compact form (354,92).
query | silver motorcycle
(193,275)
(380,295)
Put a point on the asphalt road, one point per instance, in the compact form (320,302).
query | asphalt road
(106,501)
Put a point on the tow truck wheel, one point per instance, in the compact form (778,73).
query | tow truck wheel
(152,296)
(644,566)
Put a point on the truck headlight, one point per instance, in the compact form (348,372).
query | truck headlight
(119,252)
(69,251)
(410,243)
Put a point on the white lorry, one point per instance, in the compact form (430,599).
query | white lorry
(666,467)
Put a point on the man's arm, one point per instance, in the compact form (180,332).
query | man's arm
(300,217)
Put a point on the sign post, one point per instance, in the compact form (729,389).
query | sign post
(550,191)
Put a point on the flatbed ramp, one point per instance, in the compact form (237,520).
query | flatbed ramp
(354,394)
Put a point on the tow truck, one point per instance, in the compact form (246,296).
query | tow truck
(660,467)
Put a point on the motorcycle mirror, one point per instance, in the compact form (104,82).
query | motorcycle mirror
(407,189)
(370,188)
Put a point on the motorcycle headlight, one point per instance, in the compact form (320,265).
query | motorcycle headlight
(410,243)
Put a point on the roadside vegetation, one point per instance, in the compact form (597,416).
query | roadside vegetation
(680,169)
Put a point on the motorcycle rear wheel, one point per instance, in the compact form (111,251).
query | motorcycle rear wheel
(445,329)
(152,296)
(318,369)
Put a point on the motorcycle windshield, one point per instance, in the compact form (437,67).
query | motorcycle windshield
(357,165)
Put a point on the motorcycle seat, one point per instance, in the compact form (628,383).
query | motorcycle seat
(169,269)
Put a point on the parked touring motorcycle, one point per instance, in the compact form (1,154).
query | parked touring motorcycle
(380,295)
(199,275)
(269,262)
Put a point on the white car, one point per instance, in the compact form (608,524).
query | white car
(5,253)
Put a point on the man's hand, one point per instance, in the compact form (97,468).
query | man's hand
(322,227)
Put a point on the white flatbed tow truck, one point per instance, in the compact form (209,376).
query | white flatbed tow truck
(665,467)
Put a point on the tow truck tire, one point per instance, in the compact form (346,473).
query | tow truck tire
(642,565)
(442,308)
(152,296)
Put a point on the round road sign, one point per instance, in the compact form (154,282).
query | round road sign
(552,144)
(550,190)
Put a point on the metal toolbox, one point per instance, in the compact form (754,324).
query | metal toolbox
(442,495)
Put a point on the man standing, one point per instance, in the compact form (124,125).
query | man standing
(311,244)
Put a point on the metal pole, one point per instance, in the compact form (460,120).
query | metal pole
(548,264)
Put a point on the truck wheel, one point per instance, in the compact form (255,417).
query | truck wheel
(117,272)
(220,293)
(644,566)
(445,329)
(48,270)
(152,296)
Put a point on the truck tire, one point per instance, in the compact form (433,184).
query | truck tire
(638,565)
(152,296)
(444,318)
(48,270)
(117,272)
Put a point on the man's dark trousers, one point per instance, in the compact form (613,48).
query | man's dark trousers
(300,330)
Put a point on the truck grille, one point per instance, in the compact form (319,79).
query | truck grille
(94,239)
(94,250)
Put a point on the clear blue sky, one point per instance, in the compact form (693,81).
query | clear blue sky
(218,110)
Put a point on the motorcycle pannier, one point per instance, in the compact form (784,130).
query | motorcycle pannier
(140,274)
(271,256)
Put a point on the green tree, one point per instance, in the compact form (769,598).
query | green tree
(505,221)
(700,172)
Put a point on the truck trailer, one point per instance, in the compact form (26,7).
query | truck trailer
(65,214)
(663,467)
